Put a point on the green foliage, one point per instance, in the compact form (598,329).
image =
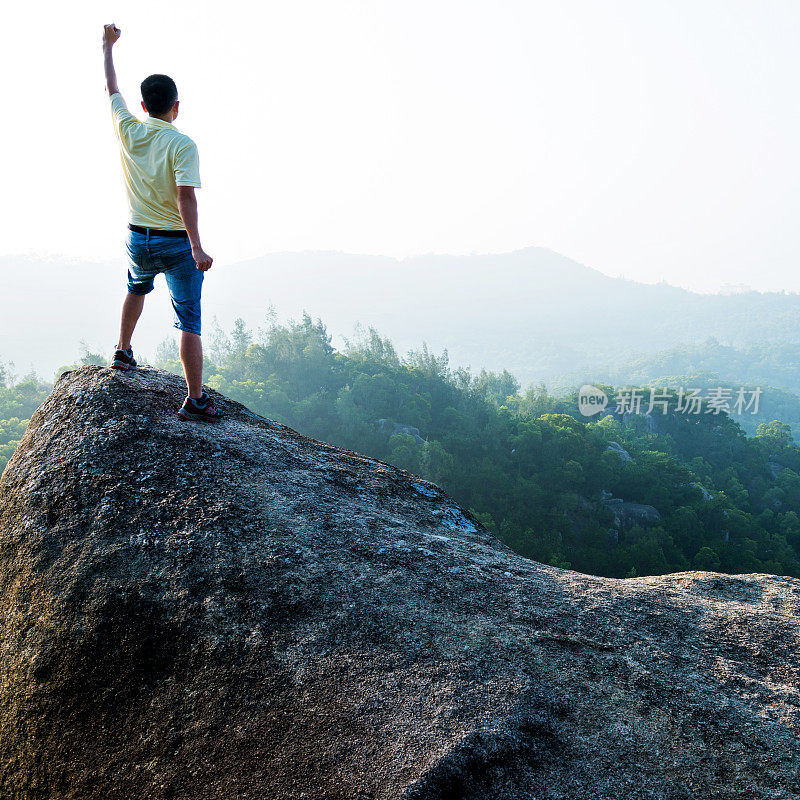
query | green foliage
(779,432)
(773,367)
(18,401)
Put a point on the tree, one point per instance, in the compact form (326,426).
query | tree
(706,559)
(778,432)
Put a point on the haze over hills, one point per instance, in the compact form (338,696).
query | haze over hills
(534,312)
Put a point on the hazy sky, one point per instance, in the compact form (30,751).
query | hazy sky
(658,140)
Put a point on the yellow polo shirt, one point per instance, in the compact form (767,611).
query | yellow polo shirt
(156,159)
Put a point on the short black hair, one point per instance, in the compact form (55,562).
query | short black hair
(159,93)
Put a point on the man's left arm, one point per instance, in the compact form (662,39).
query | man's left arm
(110,35)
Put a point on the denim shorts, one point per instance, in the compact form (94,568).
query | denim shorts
(149,254)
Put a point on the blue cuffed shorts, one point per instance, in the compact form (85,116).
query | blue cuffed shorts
(149,254)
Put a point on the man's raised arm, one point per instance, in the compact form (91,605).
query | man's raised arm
(110,35)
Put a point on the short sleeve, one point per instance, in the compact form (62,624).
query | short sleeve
(187,165)
(123,119)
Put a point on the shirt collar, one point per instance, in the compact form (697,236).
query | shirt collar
(159,123)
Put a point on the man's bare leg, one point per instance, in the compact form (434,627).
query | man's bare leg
(191,350)
(131,311)
(195,408)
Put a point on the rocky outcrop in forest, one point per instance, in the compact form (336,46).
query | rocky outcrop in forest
(237,611)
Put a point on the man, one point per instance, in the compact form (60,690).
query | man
(161,171)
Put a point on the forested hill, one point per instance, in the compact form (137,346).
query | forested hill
(773,366)
(613,496)
(533,311)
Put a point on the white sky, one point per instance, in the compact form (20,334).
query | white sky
(658,140)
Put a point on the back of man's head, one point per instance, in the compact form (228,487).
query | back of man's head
(159,94)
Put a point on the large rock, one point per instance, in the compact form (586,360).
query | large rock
(398,428)
(627,514)
(241,612)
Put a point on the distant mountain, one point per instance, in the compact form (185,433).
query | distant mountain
(533,311)
(771,364)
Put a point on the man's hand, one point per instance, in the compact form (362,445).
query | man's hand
(110,34)
(203,259)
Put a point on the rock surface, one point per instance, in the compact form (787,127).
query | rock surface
(237,611)
(399,428)
(619,450)
(627,514)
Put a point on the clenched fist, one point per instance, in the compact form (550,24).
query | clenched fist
(202,259)
(110,34)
